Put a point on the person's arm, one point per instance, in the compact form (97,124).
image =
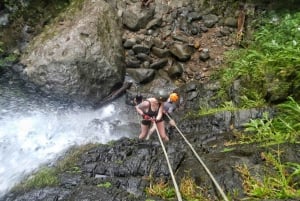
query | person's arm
(171,108)
(140,107)
(160,112)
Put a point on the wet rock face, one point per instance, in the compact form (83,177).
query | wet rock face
(81,58)
(122,171)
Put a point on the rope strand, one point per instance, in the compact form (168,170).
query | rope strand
(202,163)
(169,165)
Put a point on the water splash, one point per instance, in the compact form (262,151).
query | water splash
(34,133)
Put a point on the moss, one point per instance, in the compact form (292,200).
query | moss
(42,178)
(71,159)
(49,176)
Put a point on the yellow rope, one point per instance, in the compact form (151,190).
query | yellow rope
(202,163)
(169,165)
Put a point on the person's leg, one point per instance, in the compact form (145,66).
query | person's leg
(150,132)
(144,131)
(162,131)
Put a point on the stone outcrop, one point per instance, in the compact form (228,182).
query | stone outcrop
(81,57)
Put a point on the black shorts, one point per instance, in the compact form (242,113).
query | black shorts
(148,122)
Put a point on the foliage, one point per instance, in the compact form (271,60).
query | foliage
(48,176)
(285,127)
(230,106)
(226,106)
(160,189)
(189,190)
(278,179)
(6,59)
(270,65)
(69,163)
(288,119)
(44,177)
(104,185)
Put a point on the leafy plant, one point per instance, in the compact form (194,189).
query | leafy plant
(269,67)
(277,184)
(160,189)
(190,191)
(226,106)
(105,185)
(44,177)
(288,118)
(69,163)
(285,127)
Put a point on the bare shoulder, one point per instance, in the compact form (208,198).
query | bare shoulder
(145,103)
(150,100)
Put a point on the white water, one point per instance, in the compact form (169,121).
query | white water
(36,135)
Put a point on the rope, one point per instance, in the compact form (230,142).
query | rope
(202,163)
(169,165)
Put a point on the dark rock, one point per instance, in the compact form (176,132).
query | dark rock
(143,57)
(135,19)
(140,48)
(141,75)
(155,23)
(132,63)
(181,52)
(161,53)
(175,70)
(210,20)
(159,64)
(204,55)
(231,22)
(129,43)
(192,16)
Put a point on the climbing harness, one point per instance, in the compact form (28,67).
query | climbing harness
(201,162)
(169,165)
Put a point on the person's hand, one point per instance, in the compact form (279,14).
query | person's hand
(146,117)
(156,120)
(172,122)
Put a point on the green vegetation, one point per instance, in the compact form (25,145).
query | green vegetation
(48,176)
(278,179)
(69,163)
(161,189)
(188,189)
(104,185)
(269,69)
(44,177)
(226,106)
(285,127)
(6,59)
(228,149)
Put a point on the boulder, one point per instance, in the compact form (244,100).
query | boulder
(79,58)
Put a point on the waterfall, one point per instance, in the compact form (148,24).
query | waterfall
(35,130)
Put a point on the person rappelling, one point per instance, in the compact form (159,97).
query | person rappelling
(151,111)
(170,106)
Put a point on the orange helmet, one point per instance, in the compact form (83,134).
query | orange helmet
(174,97)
